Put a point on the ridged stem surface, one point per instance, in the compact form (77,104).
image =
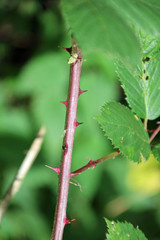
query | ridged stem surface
(71,123)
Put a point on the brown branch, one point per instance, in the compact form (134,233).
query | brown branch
(22,171)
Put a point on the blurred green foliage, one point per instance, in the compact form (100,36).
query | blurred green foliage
(34,77)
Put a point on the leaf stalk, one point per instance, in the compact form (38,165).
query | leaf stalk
(93,163)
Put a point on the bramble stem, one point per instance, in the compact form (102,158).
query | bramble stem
(93,164)
(60,218)
(154,133)
(88,165)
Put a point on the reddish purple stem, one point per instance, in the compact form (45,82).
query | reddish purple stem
(88,165)
(93,163)
(155,132)
(64,176)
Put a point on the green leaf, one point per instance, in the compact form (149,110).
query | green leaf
(142,86)
(144,14)
(97,25)
(156,152)
(125,130)
(123,231)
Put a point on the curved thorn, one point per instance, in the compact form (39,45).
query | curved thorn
(82,91)
(64,102)
(76,124)
(57,170)
(91,162)
(66,49)
(67,221)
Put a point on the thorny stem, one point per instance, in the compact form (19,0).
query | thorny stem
(93,164)
(60,218)
(88,165)
(22,171)
(154,133)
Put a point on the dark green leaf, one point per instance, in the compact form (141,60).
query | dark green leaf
(97,25)
(125,130)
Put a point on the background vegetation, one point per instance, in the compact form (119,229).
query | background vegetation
(34,77)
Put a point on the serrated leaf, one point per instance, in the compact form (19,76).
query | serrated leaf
(123,231)
(97,25)
(125,130)
(156,152)
(142,86)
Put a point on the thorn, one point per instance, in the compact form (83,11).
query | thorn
(82,91)
(67,221)
(64,102)
(76,124)
(93,163)
(57,170)
(66,49)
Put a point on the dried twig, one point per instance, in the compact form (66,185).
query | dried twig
(22,171)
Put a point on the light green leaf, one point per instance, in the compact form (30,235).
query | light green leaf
(144,14)
(156,152)
(125,130)
(97,25)
(123,231)
(142,86)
